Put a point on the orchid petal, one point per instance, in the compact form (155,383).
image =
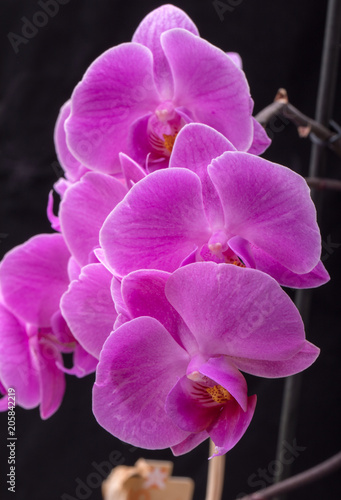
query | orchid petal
(116,89)
(188,444)
(81,214)
(34,276)
(157,224)
(88,308)
(52,379)
(221,101)
(185,406)
(83,363)
(261,140)
(194,148)
(72,167)
(224,373)
(131,170)
(231,425)
(274,369)
(148,33)
(144,295)
(316,277)
(237,311)
(270,206)
(17,366)
(139,364)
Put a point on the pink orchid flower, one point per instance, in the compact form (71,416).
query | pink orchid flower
(136,97)
(33,277)
(169,376)
(216,203)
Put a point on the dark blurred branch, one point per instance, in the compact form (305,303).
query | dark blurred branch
(304,124)
(306,477)
(317,183)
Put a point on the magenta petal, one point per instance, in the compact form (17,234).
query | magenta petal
(131,170)
(236,59)
(139,364)
(207,82)
(185,407)
(231,425)
(224,373)
(83,363)
(54,220)
(274,369)
(117,89)
(72,167)
(148,33)
(52,379)
(188,444)
(33,277)
(194,148)
(261,141)
(316,277)
(73,269)
(62,332)
(237,311)
(17,366)
(157,224)
(88,308)
(83,210)
(138,141)
(144,295)
(270,206)
(242,249)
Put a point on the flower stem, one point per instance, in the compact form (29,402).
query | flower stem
(215,478)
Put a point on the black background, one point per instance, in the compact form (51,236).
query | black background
(281,46)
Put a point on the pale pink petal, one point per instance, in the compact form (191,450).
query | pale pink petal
(17,366)
(83,210)
(157,224)
(88,308)
(139,364)
(52,379)
(231,425)
(34,276)
(72,167)
(207,82)
(273,369)
(236,311)
(194,148)
(261,141)
(116,89)
(132,172)
(148,33)
(270,206)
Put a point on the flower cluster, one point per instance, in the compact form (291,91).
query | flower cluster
(171,243)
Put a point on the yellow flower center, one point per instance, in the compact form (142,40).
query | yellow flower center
(169,141)
(219,394)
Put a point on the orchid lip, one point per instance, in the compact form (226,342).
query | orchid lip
(206,393)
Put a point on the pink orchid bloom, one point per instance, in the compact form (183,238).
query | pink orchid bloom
(33,277)
(169,376)
(29,362)
(88,308)
(216,203)
(136,97)
(84,207)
